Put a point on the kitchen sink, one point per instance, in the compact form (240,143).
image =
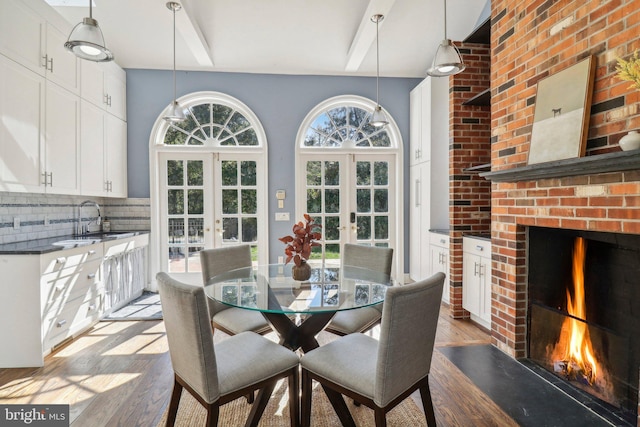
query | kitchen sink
(75,242)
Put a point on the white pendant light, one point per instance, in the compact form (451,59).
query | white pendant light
(378,118)
(176,112)
(447,60)
(86,40)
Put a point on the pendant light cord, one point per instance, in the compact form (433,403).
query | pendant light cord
(377,63)
(174,54)
(445,19)
(91,9)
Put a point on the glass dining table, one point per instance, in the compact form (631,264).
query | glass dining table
(298,310)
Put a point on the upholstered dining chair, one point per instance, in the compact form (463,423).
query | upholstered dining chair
(231,320)
(377,259)
(217,374)
(381,374)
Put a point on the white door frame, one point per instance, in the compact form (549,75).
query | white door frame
(393,154)
(156,148)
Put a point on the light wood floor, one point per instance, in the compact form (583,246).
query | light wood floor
(119,374)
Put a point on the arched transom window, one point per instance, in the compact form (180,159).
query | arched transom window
(212,124)
(345,125)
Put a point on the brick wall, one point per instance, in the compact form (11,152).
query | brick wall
(470,130)
(532,40)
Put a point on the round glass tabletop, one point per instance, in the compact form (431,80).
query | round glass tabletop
(271,289)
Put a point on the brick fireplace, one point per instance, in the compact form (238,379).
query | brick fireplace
(599,192)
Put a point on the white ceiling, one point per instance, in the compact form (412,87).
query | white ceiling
(325,37)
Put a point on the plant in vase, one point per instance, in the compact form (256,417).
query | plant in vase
(630,70)
(305,236)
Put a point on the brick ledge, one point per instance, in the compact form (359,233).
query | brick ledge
(602,163)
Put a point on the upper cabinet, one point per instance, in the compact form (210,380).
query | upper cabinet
(104,85)
(32,41)
(48,144)
(420,122)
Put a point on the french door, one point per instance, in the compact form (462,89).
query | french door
(352,196)
(208,200)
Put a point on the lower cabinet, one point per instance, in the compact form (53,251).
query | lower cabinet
(439,257)
(47,298)
(476,279)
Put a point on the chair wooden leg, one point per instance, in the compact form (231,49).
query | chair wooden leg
(427,403)
(259,406)
(294,398)
(381,417)
(173,404)
(250,398)
(306,399)
(339,405)
(213,412)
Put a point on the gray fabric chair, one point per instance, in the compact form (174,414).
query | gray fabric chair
(377,259)
(231,320)
(381,374)
(218,374)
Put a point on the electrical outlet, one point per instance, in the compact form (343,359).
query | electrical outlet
(16,223)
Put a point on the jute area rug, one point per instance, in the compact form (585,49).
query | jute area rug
(191,413)
(276,414)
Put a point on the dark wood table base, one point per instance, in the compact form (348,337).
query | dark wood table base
(303,337)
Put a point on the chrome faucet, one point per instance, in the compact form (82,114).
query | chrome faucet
(83,229)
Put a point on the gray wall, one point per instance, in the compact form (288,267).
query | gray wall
(280,101)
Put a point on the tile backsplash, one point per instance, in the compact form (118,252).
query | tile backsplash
(43,215)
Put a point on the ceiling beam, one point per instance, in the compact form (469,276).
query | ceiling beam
(366,34)
(192,35)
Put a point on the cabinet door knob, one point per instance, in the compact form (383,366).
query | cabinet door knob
(61,323)
(92,307)
(91,275)
(61,260)
(480,248)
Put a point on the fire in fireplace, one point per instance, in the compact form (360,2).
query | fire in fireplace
(584,311)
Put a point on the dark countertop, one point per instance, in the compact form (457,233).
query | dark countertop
(483,236)
(43,246)
(440,230)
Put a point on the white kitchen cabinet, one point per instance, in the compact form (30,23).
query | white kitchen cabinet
(62,145)
(439,256)
(39,133)
(429,172)
(40,109)
(420,122)
(476,279)
(419,219)
(104,85)
(103,162)
(22,139)
(29,38)
(45,299)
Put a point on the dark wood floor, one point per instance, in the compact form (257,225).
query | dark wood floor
(119,374)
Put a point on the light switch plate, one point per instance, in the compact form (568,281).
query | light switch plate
(282,216)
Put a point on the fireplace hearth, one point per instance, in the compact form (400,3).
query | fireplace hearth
(584,311)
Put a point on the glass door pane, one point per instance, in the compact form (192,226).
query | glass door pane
(237,219)
(326,189)
(372,189)
(187,207)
